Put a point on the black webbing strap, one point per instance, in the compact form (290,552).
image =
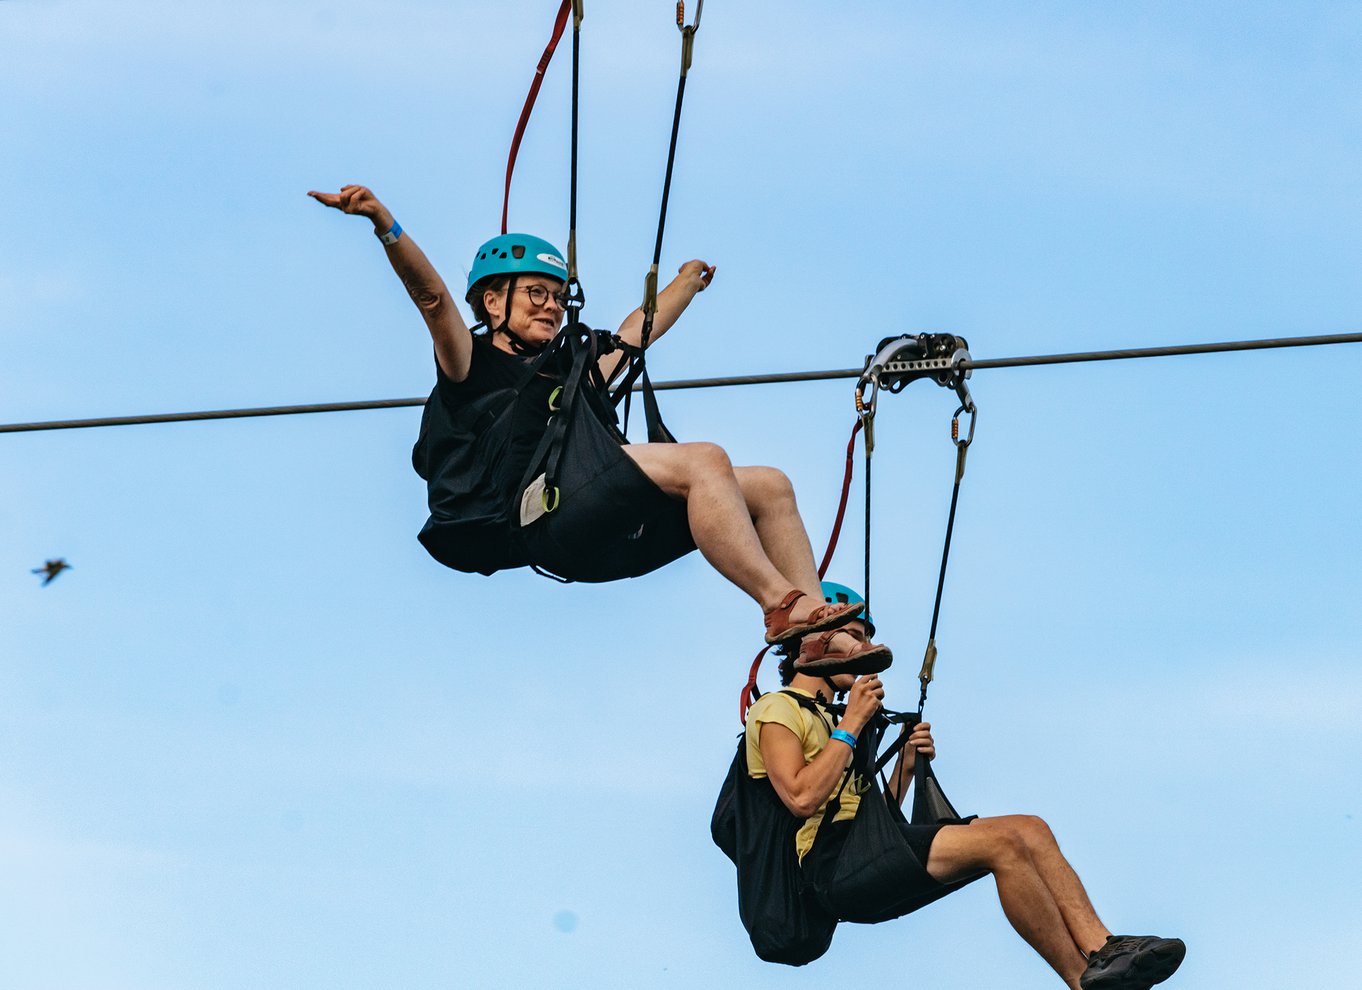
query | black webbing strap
(575,298)
(585,353)
(865,588)
(657,430)
(551,443)
(961,449)
(482,413)
(886,719)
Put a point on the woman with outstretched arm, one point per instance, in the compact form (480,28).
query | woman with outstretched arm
(645,509)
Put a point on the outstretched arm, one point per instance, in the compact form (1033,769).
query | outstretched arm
(453,342)
(692,278)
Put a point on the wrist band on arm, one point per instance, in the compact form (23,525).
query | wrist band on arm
(843,735)
(392,235)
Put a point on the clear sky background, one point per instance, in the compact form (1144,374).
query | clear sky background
(256,737)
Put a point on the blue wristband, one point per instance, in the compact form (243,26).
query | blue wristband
(392,235)
(843,735)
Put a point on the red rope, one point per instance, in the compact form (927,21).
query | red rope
(841,508)
(745,702)
(558,26)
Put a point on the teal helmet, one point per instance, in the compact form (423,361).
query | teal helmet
(516,254)
(840,594)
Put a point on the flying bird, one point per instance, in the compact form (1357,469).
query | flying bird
(51,569)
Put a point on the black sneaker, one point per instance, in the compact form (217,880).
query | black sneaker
(1132,962)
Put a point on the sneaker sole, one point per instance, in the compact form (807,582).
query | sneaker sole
(1146,970)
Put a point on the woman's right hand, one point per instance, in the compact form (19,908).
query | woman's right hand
(357,201)
(865,699)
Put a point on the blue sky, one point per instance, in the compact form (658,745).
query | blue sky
(257,737)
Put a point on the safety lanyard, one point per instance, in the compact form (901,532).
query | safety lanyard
(657,430)
(560,22)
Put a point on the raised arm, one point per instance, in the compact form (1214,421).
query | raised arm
(453,342)
(803,787)
(692,278)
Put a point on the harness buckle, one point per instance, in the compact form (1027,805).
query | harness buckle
(573,297)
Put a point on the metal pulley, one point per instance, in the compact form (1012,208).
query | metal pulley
(899,361)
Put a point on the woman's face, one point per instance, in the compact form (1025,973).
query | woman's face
(536,313)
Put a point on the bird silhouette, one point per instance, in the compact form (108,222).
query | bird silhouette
(51,569)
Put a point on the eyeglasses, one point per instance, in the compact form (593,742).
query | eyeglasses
(540,295)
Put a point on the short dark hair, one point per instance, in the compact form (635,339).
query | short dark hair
(492,283)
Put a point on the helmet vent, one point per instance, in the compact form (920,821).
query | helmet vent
(518,251)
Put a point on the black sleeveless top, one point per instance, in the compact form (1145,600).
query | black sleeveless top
(477,438)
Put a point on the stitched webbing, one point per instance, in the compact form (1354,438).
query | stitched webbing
(559,24)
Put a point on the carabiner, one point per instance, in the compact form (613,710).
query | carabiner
(554,396)
(549,503)
(955,425)
(961,446)
(866,410)
(687,34)
(681,15)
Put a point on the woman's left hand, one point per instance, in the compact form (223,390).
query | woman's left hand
(697,273)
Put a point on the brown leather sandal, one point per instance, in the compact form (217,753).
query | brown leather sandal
(779,629)
(818,660)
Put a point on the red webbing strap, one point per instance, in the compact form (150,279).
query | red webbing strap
(842,507)
(558,27)
(745,702)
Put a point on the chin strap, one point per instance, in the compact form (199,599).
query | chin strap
(518,346)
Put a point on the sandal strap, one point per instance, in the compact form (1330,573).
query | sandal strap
(786,605)
(822,641)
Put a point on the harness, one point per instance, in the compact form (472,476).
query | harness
(876,852)
(583,400)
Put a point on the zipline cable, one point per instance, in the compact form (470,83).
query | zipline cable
(688,383)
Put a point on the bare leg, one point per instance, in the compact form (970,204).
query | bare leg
(771,501)
(771,504)
(1087,930)
(1003,847)
(720,521)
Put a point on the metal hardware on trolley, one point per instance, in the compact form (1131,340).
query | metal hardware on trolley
(899,361)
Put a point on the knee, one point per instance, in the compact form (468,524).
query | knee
(1006,841)
(1034,831)
(707,458)
(768,486)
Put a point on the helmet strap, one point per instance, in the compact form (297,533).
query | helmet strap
(518,346)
